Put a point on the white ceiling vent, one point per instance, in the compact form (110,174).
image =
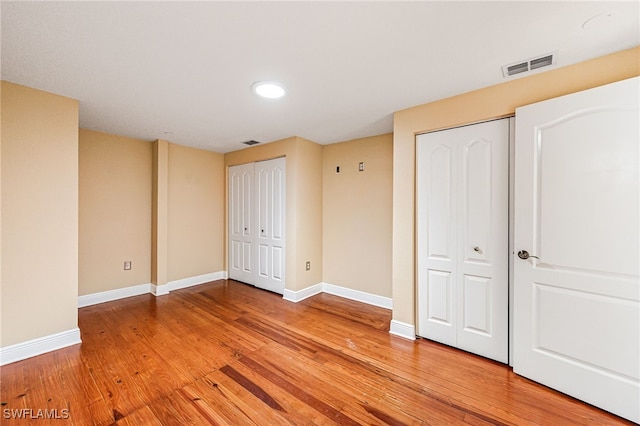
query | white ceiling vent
(529,64)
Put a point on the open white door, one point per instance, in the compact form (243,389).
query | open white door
(577,316)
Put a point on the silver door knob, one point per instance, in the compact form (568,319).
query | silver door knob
(477,249)
(523,254)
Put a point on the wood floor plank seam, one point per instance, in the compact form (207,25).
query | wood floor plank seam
(256,390)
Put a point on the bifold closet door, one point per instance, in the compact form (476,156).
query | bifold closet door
(241,209)
(270,220)
(257,203)
(462,226)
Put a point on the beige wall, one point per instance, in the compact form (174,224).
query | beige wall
(39,214)
(491,102)
(309,213)
(156,204)
(196,211)
(304,234)
(357,210)
(115,206)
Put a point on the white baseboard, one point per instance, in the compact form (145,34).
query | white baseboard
(402,329)
(347,293)
(297,296)
(357,295)
(197,280)
(156,290)
(108,296)
(397,328)
(39,346)
(159,290)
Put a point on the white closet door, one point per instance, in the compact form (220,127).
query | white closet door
(437,234)
(462,182)
(242,228)
(577,305)
(483,239)
(270,220)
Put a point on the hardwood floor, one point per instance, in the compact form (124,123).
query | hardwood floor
(226,353)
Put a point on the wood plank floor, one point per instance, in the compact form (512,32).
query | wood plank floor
(226,353)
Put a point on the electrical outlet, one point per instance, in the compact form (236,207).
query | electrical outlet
(361,167)
(308,265)
(127,265)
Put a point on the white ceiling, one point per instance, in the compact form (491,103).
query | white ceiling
(141,69)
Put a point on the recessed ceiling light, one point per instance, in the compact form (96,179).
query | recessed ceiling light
(268,89)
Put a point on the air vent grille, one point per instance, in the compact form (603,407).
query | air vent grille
(541,62)
(518,68)
(529,64)
(251,142)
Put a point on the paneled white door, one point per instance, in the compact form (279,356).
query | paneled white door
(462,210)
(270,187)
(257,224)
(242,201)
(577,295)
